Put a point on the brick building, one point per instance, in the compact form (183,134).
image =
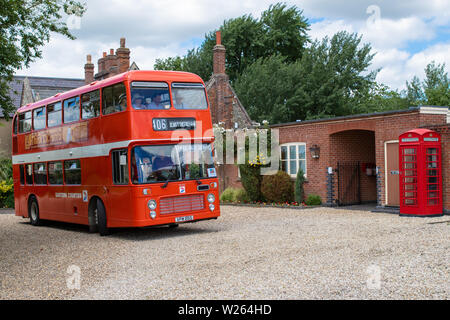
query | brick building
(362,152)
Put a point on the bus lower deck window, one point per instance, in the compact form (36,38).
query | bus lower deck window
(22,174)
(72,172)
(40,173)
(55,172)
(120,166)
(29,174)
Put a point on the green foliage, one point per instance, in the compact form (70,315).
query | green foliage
(313,200)
(25,26)
(434,90)
(6,171)
(227,195)
(330,79)
(380,98)
(278,187)
(234,195)
(7,194)
(194,171)
(251,181)
(241,195)
(281,30)
(298,188)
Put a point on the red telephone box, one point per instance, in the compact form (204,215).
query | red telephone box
(420,173)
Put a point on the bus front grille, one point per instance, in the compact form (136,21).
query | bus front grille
(180,204)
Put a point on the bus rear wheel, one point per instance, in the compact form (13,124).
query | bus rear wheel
(101,219)
(33,212)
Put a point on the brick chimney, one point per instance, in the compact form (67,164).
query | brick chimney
(123,55)
(111,63)
(219,55)
(101,63)
(88,70)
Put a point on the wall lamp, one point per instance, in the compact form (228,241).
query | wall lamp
(315,151)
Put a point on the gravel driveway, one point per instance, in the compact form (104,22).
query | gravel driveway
(248,253)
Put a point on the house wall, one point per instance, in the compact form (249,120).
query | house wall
(5,138)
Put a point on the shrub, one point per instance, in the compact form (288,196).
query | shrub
(227,195)
(298,190)
(7,194)
(313,200)
(251,181)
(234,195)
(6,171)
(278,187)
(240,195)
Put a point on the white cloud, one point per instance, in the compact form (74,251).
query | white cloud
(159,29)
(324,28)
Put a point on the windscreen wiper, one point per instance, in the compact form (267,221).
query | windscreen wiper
(168,178)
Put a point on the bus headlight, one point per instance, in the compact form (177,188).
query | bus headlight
(211,198)
(153,214)
(151,204)
(211,207)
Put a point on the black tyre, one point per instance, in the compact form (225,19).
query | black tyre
(101,219)
(93,216)
(33,212)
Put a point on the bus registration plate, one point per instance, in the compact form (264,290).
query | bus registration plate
(183,219)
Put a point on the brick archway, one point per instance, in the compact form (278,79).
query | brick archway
(352,153)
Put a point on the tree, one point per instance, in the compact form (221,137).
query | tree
(25,26)
(330,79)
(433,90)
(281,30)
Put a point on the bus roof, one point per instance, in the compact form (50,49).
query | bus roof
(135,75)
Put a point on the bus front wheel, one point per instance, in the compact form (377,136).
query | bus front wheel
(33,212)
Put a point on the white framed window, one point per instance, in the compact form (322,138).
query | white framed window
(293,157)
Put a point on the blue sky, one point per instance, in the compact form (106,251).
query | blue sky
(406,35)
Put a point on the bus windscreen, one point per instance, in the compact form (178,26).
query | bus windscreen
(160,163)
(189,96)
(150,95)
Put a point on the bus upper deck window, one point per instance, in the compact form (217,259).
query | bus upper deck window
(54,114)
(25,122)
(150,95)
(39,118)
(90,104)
(72,110)
(189,96)
(114,99)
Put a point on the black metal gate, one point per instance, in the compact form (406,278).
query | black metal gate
(349,188)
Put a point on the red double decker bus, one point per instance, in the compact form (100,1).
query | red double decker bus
(133,150)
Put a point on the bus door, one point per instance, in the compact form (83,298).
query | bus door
(119,192)
(75,206)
